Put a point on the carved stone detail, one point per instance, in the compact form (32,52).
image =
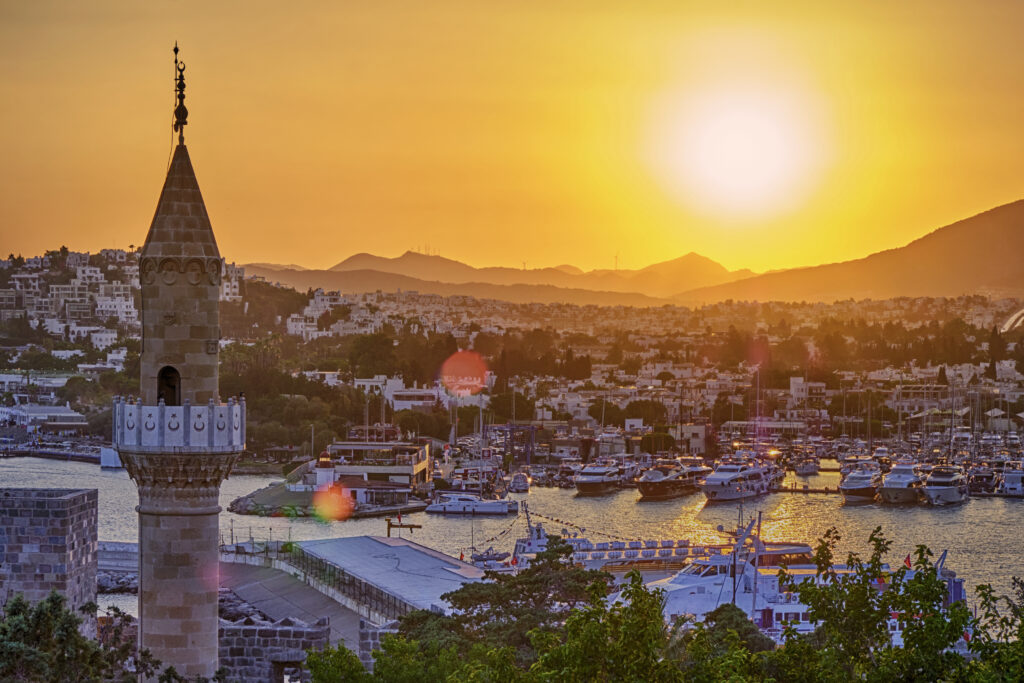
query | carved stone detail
(196,271)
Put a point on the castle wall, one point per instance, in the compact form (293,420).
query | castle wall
(254,650)
(48,541)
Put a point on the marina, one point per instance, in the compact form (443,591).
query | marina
(967,530)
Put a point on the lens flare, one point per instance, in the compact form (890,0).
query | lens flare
(333,503)
(464,373)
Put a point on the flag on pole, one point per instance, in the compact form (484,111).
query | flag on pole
(907,563)
(399,517)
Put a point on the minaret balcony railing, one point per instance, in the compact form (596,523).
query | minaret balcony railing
(211,428)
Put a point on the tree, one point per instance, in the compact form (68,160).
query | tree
(336,665)
(652,412)
(622,642)
(41,642)
(503,610)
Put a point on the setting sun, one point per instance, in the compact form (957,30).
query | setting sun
(738,151)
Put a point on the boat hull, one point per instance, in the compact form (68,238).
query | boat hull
(898,495)
(861,493)
(718,493)
(663,490)
(595,488)
(945,495)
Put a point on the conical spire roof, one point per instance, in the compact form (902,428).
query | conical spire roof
(181,226)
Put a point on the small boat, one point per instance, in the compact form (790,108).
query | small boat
(470,504)
(862,482)
(902,484)
(945,485)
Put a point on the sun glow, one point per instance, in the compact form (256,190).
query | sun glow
(741,151)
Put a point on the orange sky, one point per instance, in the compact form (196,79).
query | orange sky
(498,133)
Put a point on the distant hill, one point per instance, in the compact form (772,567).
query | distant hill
(977,255)
(658,280)
(275,266)
(373,280)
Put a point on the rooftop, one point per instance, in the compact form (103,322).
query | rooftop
(414,573)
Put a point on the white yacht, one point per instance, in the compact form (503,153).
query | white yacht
(735,480)
(806,466)
(945,485)
(470,504)
(520,483)
(1012,480)
(862,482)
(902,484)
(597,478)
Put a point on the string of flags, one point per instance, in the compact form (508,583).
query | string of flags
(582,530)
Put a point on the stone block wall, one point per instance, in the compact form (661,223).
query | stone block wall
(370,636)
(48,541)
(255,650)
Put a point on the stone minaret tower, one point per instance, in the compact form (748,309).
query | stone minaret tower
(178,442)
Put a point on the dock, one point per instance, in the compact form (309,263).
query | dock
(50,454)
(805,488)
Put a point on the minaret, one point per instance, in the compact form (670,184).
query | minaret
(178,442)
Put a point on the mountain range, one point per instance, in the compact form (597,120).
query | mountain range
(980,254)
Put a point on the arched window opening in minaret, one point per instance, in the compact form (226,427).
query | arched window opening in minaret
(168,386)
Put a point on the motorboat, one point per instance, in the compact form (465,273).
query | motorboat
(1012,480)
(695,465)
(520,483)
(806,466)
(862,482)
(902,484)
(736,480)
(597,478)
(470,504)
(945,485)
(667,479)
(982,478)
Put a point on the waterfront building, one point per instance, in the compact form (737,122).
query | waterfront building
(385,459)
(178,442)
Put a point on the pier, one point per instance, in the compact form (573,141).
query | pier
(806,488)
(50,454)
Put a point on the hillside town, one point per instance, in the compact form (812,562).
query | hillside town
(71,334)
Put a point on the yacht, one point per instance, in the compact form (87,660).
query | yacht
(1012,481)
(806,466)
(862,482)
(735,480)
(520,483)
(946,484)
(668,478)
(597,478)
(694,464)
(902,484)
(470,504)
(982,478)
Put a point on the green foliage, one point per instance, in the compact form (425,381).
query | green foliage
(336,665)
(622,642)
(502,611)
(41,642)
